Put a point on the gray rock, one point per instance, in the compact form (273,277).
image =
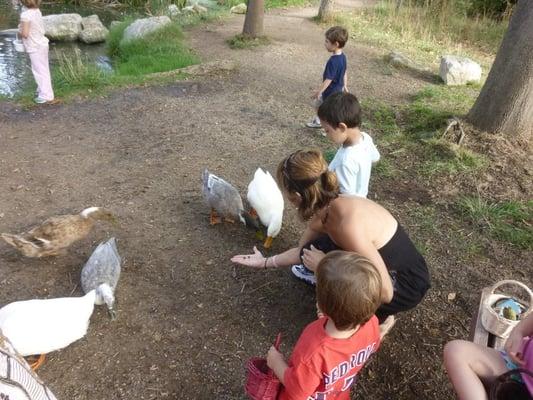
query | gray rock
(173,11)
(459,70)
(142,27)
(203,3)
(398,60)
(238,9)
(199,9)
(188,10)
(93,31)
(65,27)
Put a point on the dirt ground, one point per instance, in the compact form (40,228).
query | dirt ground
(187,318)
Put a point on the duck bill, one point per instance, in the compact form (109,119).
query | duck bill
(268,242)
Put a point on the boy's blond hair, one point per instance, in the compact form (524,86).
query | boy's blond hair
(337,34)
(348,289)
(31,3)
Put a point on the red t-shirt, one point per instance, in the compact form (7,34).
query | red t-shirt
(324,368)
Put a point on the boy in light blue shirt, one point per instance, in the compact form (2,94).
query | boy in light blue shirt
(340,116)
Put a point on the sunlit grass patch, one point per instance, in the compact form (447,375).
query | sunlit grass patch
(425,33)
(509,221)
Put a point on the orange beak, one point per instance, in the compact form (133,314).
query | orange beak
(268,242)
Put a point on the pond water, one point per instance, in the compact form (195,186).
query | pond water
(15,71)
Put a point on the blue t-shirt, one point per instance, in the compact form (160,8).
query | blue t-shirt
(335,69)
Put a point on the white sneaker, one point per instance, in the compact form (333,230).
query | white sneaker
(302,273)
(40,100)
(314,123)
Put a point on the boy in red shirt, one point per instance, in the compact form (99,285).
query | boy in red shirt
(333,349)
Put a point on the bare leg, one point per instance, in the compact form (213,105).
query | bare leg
(386,326)
(470,367)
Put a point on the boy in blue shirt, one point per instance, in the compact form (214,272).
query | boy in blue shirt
(334,77)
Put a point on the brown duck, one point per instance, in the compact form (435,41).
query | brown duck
(55,234)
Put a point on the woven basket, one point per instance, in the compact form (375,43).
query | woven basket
(495,323)
(261,383)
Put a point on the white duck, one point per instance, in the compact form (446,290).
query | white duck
(42,326)
(101,273)
(266,199)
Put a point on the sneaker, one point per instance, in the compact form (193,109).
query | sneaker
(302,273)
(40,100)
(314,123)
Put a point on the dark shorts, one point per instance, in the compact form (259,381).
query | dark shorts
(406,266)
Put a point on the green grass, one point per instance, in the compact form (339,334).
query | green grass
(434,105)
(425,34)
(508,221)
(442,157)
(159,52)
(243,42)
(380,117)
(329,154)
(384,168)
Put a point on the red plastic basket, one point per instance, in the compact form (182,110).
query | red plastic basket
(261,382)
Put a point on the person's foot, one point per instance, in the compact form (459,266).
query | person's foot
(314,123)
(302,273)
(40,100)
(386,326)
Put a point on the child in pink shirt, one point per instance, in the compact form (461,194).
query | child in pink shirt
(31,29)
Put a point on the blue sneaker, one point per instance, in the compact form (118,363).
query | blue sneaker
(302,273)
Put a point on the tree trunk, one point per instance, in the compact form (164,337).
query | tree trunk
(325,10)
(505,104)
(253,22)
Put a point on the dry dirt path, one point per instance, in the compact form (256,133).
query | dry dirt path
(187,318)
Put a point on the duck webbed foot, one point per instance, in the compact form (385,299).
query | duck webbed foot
(40,361)
(268,242)
(214,218)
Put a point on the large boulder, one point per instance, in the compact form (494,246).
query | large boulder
(238,9)
(93,31)
(459,70)
(66,27)
(142,27)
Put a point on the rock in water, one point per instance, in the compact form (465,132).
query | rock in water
(93,31)
(65,27)
(142,27)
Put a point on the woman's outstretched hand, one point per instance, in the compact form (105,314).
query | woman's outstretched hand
(250,260)
(312,257)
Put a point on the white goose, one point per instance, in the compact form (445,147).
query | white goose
(42,326)
(266,199)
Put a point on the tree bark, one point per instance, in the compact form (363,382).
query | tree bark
(325,10)
(253,22)
(505,104)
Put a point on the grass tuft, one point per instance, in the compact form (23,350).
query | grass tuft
(244,42)
(159,52)
(77,73)
(442,157)
(508,221)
